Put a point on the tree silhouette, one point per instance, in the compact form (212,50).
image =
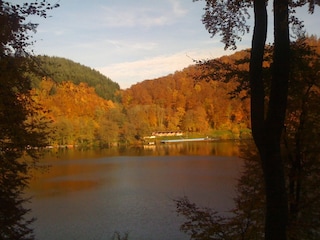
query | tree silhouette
(18,137)
(300,160)
(229,19)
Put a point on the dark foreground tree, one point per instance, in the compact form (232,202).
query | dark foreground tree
(229,19)
(267,129)
(301,142)
(18,137)
(301,157)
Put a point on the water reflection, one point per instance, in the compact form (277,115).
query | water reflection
(65,176)
(218,148)
(221,148)
(74,170)
(99,192)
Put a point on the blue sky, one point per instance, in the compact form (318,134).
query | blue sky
(134,40)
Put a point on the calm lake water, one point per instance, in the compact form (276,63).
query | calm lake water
(91,194)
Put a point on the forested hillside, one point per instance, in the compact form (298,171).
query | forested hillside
(61,69)
(76,115)
(182,101)
(196,100)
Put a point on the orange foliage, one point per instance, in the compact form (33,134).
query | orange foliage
(75,110)
(188,104)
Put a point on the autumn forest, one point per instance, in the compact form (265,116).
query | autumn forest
(76,114)
(81,107)
(269,94)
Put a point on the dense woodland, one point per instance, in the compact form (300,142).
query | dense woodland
(199,100)
(77,115)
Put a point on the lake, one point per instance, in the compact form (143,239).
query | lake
(91,194)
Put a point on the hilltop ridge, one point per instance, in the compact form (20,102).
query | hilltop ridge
(61,69)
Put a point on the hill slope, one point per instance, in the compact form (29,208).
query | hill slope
(61,69)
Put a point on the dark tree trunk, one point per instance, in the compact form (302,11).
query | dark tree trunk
(267,130)
(256,79)
(276,196)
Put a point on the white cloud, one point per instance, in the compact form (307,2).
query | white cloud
(178,10)
(130,45)
(129,73)
(133,16)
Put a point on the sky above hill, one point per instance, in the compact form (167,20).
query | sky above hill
(133,40)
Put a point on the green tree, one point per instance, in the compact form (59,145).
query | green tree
(195,120)
(138,117)
(107,133)
(18,136)
(65,132)
(229,19)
